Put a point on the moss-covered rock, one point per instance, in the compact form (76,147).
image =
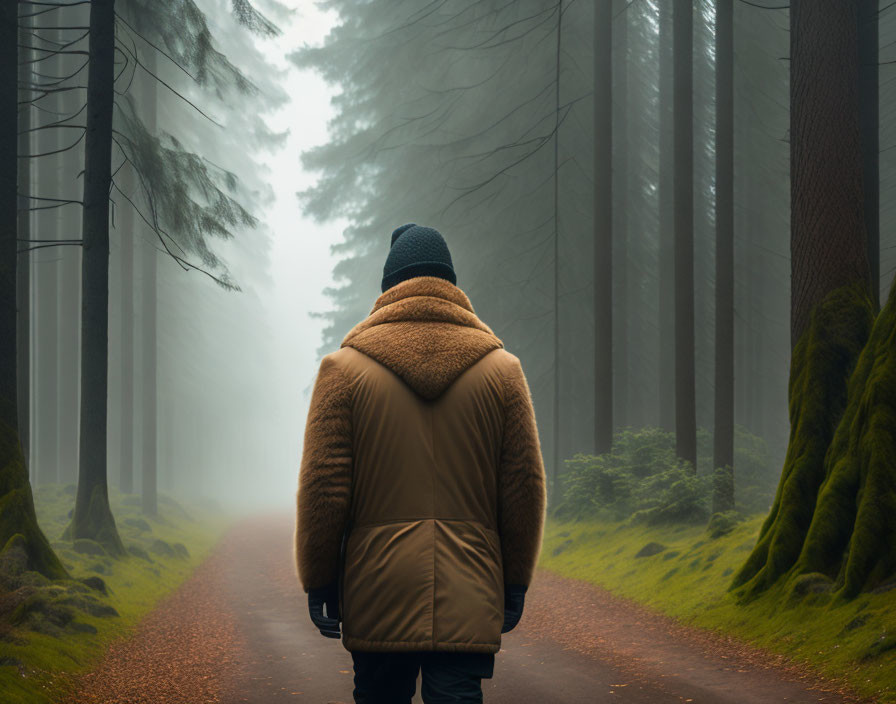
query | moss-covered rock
(650,549)
(85,546)
(722,523)
(181,550)
(138,551)
(95,583)
(881,645)
(823,359)
(160,547)
(561,547)
(138,523)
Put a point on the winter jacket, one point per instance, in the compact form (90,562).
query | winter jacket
(421,449)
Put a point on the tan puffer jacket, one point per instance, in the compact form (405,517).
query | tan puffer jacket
(421,443)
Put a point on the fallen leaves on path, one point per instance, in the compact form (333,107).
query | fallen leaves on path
(178,652)
(651,646)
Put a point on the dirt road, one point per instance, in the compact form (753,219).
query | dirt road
(238,631)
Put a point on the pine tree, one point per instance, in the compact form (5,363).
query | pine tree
(19,531)
(839,394)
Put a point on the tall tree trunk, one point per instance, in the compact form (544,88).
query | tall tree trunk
(69,293)
(666,323)
(869,124)
(150,395)
(555,473)
(23,270)
(18,524)
(126,236)
(603,226)
(92,516)
(69,352)
(723,434)
(47,275)
(831,306)
(149,435)
(621,390)
(683,157)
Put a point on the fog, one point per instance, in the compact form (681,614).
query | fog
(478,120)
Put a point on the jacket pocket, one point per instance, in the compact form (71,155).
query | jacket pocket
(469,584)
(388,583)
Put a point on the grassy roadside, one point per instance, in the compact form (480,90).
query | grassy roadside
(49,632)
(688,573)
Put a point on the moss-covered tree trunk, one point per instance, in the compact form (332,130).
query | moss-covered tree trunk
(92,517)
(831,305)
(18,523)
(852,537)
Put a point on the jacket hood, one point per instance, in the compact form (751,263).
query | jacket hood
(425,330)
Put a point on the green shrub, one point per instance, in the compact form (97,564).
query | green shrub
(642,479)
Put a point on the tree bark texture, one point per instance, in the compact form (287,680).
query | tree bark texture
(828,242)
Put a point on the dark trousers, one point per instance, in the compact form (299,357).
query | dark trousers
(391,678)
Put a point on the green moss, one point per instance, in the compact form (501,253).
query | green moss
(17,515)
(853,533)
(93,520)
(66,626)
(812,630)
(823,359)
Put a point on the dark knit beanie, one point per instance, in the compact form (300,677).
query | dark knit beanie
(417,251)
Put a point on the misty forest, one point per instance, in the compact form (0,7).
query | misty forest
(680,215)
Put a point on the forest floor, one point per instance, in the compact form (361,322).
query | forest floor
(51,632)
(238,631)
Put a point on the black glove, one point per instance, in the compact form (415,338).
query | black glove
(514,596)
(329,595)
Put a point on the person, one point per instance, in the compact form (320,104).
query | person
(421,497)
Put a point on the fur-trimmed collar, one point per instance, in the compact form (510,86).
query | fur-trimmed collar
(425,330)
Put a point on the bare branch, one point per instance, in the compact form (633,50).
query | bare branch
(25,239)
(55,151)
(154,46)
(42,246)
(52,7)
(185,99)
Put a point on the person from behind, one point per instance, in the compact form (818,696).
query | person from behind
(421,497)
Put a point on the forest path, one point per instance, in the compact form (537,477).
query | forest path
(238,631)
